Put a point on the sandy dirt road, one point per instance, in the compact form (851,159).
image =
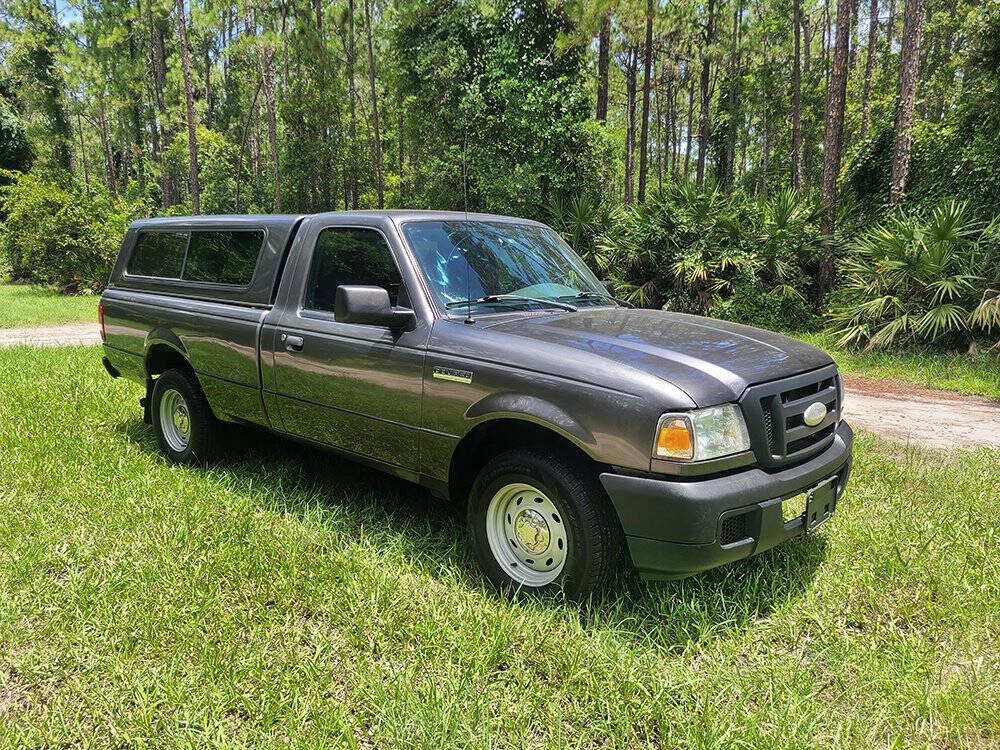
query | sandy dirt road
(72,334)
(911,413)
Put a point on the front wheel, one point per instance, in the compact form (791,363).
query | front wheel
(542,524)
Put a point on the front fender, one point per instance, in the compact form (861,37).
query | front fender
(532,409)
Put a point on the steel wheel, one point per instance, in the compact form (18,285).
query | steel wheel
(175,420)
(526,534)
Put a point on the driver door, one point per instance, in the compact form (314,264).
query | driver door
(353,387)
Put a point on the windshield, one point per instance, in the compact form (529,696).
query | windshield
(484,260)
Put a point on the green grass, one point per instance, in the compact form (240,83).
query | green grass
(289,598)
(22,306)
(953,372)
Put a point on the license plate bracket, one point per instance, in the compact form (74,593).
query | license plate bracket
(821,501)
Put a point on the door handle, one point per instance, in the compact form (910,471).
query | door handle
(292,343)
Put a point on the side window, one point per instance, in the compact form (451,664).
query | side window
(159,254)
(349,256)
(227,257)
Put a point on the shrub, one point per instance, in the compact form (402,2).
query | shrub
(917,279)
(63,235)
(697,250)
(751,303)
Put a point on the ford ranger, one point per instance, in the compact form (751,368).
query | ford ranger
(478,356)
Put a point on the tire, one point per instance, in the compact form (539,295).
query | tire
(194,435)
(541,524)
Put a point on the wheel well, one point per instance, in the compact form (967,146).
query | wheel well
(492,438)
(161,358)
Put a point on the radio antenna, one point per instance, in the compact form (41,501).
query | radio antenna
(465,203)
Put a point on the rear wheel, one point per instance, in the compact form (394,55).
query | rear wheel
(542,524)
(186,429)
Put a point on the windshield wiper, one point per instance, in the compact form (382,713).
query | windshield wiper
(489,298)
(596,295)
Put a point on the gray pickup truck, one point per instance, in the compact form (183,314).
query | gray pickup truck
(479,357)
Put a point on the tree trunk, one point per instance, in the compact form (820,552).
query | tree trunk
(379,184)
(135,112)
(161,133)
(690,124)
(325,165)
(703,114)
(83,155)
(675,131)
(832,143)
(828,41)
(806,41)
(727,169)
(646,74)
(807,36)
(209,101)
(243,141)
(126,162)
(109,156)
(743,150)
(890,30)
(189,96)
(266,72)
(402,173)
(603,53)
(797,99)
(352,175)
(660,150)
(912,18)
(765,139)
(866,95)
(631,69)
(853,55)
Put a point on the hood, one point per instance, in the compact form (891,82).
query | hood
(713,361)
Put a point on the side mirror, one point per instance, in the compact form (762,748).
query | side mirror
(606,283)
(369,305)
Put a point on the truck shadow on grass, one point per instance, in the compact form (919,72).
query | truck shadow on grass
(288,477)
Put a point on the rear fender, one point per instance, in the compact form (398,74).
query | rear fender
(164,337)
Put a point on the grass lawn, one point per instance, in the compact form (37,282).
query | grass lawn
(22,306)
(289,598)
(953,372)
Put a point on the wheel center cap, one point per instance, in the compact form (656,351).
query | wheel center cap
(181,419)
(532,531)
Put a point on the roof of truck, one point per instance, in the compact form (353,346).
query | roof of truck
(216,220)
(396,214)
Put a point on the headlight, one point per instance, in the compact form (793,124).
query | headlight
(702,434)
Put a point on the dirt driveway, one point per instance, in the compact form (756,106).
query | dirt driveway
(911,413)
(72,334)
(893,409)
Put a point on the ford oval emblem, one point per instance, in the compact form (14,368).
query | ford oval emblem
(814,414)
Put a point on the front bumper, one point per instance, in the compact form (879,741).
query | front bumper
(674,527)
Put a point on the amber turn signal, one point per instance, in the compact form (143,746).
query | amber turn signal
(674,439)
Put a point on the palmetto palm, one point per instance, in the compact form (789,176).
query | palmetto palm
(784,242)
(918,279)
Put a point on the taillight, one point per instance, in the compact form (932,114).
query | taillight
(100,319)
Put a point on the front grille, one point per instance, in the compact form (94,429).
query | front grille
(733,529)
(768,425)
(802,443)
(775,416)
